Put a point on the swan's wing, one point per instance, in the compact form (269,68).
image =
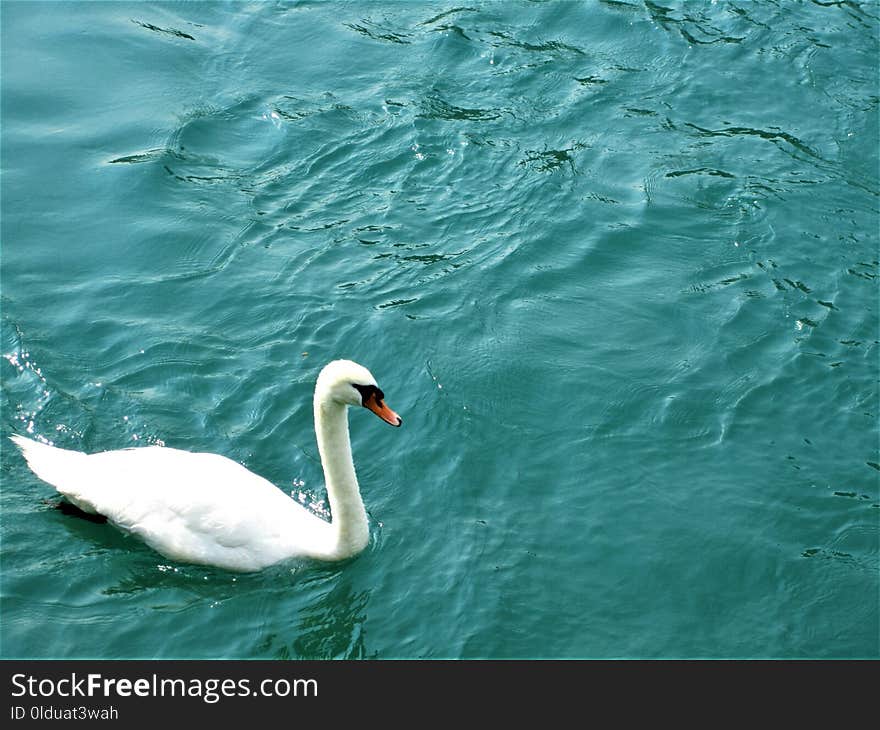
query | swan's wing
(196,507)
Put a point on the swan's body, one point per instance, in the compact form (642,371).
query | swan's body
(207,509)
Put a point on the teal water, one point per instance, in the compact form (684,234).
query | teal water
(615,264)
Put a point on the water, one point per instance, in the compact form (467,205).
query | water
(615,263)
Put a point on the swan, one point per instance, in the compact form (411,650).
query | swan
(207,509)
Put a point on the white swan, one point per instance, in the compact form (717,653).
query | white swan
(207,509)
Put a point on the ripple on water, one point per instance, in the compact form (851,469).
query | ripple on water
(614,264)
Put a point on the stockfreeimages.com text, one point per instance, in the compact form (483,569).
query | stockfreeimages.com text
(210,690)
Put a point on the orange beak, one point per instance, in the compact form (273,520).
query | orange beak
(378,407)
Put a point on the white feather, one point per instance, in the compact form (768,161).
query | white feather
(208,509)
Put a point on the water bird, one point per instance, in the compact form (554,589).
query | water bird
(207,509)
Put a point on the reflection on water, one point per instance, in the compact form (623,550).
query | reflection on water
(331,627)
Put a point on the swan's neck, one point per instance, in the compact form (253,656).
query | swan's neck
(350,528)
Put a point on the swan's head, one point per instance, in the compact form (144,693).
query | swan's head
(347,383)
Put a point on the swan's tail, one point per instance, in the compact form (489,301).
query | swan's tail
(51,464)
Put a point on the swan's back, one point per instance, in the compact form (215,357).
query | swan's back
(196,507)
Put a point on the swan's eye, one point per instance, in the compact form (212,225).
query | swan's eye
(373,399)
(369,391)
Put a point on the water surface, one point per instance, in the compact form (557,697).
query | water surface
(615,263)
